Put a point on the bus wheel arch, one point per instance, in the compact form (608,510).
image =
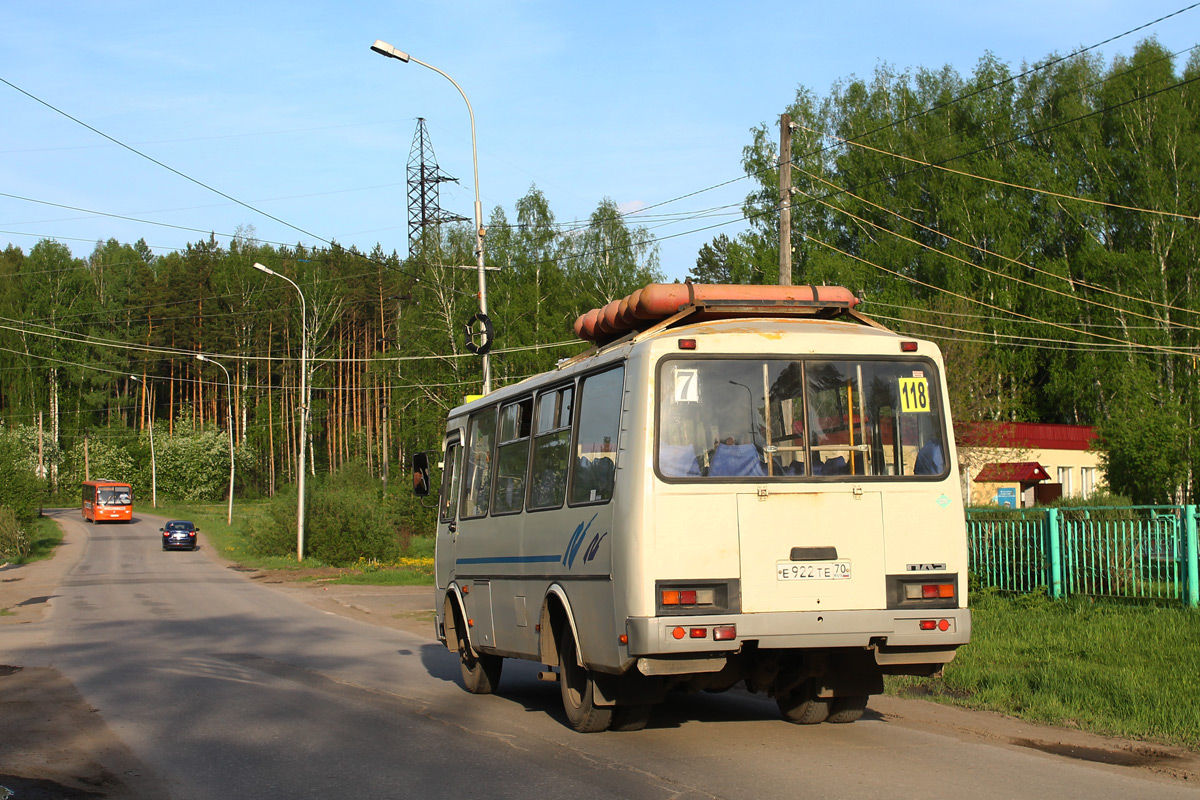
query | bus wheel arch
(555,621)
(480,671)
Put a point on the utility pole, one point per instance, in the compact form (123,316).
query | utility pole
(785,200)
(41,450)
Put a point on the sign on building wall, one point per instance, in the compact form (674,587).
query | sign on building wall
(1006,496)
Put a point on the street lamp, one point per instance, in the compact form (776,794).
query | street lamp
(385,49)
(303,405)
(229,411)
(153,462)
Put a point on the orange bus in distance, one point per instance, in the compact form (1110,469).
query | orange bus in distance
(105,501)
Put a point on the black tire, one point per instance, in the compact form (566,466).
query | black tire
(802,707)
(848,709)
(579,691)
(480,671)
(631,718)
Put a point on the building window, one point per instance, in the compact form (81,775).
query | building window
(1064,478)
(1088,475)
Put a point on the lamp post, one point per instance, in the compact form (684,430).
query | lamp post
(229,411)
(303,405)
(385,49)
(153,462)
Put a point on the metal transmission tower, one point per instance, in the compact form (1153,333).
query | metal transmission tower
(424,175)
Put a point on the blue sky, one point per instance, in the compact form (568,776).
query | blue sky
(284,107)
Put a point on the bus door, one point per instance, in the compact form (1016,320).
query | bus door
(447,529)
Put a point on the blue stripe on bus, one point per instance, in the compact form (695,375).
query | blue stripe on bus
(510,560)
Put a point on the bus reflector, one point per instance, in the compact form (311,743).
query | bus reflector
(679,633)
(724,633)
(944,625)
(623,639)
(698,633)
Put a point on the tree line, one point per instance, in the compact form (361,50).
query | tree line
(98,351)
(1042,227)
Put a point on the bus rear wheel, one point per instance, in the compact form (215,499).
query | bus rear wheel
(480,671)
(631,717)
(579,690)
(848,709)
(802,707)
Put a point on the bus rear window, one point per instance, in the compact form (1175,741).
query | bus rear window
(847,419)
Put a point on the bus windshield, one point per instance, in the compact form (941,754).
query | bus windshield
(113,496)
(847,419)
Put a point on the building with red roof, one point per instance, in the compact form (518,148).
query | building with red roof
(1026,463)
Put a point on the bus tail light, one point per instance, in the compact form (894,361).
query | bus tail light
(928,591)
(687,597)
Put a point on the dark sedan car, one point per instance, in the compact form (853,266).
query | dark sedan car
(179,534)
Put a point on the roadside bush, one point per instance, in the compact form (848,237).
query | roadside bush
(275,534)
(23,490)
(346,521)
(14,541)
(195,466)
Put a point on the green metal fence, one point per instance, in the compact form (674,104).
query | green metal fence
(1144,552)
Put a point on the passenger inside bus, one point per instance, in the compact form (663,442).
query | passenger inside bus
(930,460)
(731,460)
(678,461)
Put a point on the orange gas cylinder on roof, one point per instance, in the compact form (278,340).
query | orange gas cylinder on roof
(658,301)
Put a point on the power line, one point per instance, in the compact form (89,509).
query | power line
(996,273)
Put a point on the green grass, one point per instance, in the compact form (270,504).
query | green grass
(388,577)
(44,537)
(1107,667)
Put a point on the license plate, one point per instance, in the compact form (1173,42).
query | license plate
(813,570)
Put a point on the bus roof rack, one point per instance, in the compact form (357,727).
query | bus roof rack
(660,305)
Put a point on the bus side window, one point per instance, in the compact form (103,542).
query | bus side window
(450,481)
(551,447)
(596,437)
(512,456)
(481,434)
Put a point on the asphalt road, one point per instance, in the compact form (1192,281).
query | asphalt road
(219,686)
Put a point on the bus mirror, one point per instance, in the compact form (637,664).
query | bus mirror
(420,464)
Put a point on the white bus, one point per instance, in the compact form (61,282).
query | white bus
(758,492)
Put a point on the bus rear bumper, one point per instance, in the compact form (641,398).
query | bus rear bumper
(924,636)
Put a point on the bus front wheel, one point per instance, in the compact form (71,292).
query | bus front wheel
(579,690)
(480,671)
